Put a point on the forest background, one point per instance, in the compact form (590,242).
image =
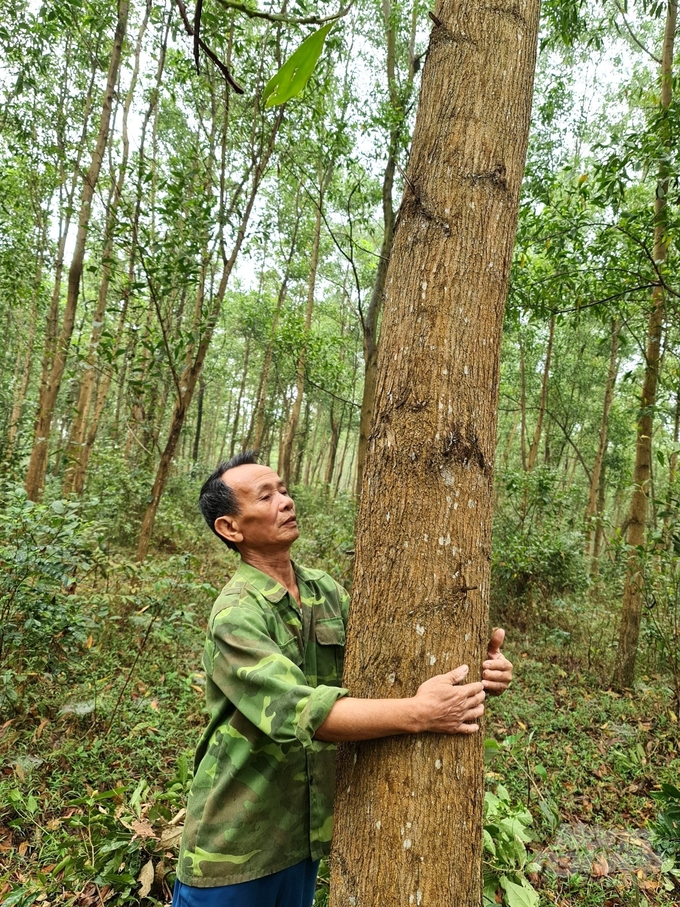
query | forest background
(185,273)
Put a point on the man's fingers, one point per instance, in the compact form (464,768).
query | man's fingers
(496,641)
(496,675)
(468,729)
(496,686)
(458,674)
(474,713)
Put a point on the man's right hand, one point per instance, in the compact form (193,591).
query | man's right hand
(443,706)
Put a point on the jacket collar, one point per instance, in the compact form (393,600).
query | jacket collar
(272,590)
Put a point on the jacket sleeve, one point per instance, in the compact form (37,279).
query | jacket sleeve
(267,687)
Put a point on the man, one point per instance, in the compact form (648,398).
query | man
(260,809)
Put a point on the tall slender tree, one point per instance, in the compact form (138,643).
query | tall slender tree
(631,611)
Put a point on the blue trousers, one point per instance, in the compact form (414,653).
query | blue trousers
(292,887)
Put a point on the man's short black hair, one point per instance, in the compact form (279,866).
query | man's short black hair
(218,499)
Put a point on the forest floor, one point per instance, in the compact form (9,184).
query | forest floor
(96,761)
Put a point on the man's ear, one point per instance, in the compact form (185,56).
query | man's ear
(227,528)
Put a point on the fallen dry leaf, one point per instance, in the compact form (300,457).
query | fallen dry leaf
(143,829)
(600,866)
(170,837)
(146,878)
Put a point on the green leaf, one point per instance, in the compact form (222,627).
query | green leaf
(518,895)
(295,72)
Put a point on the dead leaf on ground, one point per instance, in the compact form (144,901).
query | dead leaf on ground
(146,878)
(170,837)
(599,866)
(143,829)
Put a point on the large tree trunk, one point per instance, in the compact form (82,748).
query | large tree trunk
(409,810)
(533,450)
(35,475)
(631,608)
(593,493)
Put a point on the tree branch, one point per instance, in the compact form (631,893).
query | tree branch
(281,17)
(633,36)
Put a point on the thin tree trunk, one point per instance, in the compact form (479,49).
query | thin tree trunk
(25,359)
(341,466)
(672,471)
(38,462)
(294,417)
(511,438)
(107,377)
(192,372)
(257,422)
(533,450)
(372,316)
(302,448)
(409,810)
(239,399)
(310,452)
(591,508)
(523,406)
(631,609)
(77,439)
(599,522)
(332,444)
(199,421)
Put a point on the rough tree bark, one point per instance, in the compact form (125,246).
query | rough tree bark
(49,392)
(631,608)
(409,810)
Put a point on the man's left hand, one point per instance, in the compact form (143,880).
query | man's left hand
(497,670)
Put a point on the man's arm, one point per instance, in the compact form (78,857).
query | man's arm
(440,706)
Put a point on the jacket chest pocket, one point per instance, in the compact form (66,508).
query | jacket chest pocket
(330,650)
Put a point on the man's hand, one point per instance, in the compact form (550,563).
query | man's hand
(445,707)
(497,670)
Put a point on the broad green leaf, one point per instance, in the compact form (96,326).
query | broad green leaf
(518,895)
(295,72)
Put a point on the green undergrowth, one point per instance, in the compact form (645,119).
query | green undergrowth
(102,697)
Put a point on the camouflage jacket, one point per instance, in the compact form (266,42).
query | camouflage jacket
(262,795)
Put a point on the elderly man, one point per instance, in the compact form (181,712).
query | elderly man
(260,809)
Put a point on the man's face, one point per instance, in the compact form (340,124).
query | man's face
(266,521)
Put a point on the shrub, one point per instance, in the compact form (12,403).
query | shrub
(46,550)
